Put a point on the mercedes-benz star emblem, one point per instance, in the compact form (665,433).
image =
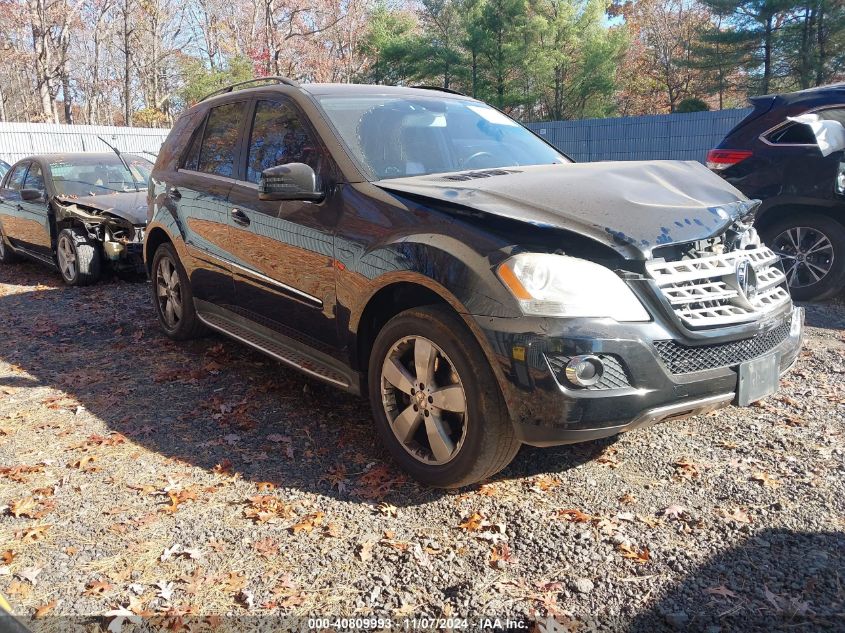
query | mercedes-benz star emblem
(746,279)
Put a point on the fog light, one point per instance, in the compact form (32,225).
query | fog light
(584,371)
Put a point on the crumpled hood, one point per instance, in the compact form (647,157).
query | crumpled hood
(630,206)
(129,205)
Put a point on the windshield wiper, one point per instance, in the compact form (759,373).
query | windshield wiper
(122,160)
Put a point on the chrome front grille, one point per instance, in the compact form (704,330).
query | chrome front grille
(707,291)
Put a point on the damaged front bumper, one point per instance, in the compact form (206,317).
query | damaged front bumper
(122,242)
(649,374)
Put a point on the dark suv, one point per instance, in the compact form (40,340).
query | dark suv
(778,161)
(422,248)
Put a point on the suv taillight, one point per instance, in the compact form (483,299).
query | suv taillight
(719,159)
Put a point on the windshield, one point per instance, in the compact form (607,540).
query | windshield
(412,136)
(88,176)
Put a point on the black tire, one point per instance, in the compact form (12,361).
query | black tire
(803,285)
(7,255)
(187,325)
(84,269)
(482,436)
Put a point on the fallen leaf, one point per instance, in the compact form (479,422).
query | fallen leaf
(30,574)
(32,534)
(265,486)
(471,523)
(165,590)
(388,509)
(737,514)
(628,552)
(673,511)
(628,499)
(23,507)
(686,468)
(308,523)
(267,547)
(44,609)
(97,588)
(574,515)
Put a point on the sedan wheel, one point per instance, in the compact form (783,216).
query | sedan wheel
(424,400)
(67,258)
(169,292)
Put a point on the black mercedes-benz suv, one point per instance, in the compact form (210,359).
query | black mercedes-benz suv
(775,159)
(422,248)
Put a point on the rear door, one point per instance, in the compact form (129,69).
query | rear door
(283,251)
(201,188)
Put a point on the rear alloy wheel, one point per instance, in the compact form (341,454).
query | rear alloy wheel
(7,255)
(812,250)
(436,402)
(172,296)
(77,257)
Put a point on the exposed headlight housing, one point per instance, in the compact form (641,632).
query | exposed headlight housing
(562,286)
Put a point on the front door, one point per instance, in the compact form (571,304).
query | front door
(36,213)
(13,222)
(283,251)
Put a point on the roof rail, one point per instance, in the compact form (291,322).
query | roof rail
(272,79)
(440,89)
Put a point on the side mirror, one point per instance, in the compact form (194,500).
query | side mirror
(31,195)
(293,181)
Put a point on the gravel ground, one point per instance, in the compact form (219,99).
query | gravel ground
(142,476)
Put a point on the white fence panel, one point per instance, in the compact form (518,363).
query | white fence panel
(18,140)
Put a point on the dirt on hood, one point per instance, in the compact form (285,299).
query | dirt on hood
(631,207)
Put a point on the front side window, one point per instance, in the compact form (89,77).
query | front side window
(395,136)
(34,178)
(15,181)
(278,137)
(220,141)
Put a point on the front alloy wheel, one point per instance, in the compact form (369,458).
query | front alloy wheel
(436,401)
(424,400)
(67,257)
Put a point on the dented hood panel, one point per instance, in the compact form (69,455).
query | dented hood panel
(630,206)
(129,205)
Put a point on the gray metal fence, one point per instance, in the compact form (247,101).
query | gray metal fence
(685,136)
(18,140)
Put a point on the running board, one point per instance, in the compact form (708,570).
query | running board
(278,346)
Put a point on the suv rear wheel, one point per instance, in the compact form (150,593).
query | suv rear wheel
(172,296)
(812,248)
(436,402)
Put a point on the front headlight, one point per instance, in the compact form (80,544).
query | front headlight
(561,286)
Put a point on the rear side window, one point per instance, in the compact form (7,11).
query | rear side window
(220,141)
(278,137)
(800,134)
(34,178)
(15,181)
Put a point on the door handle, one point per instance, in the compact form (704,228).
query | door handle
(239,217)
